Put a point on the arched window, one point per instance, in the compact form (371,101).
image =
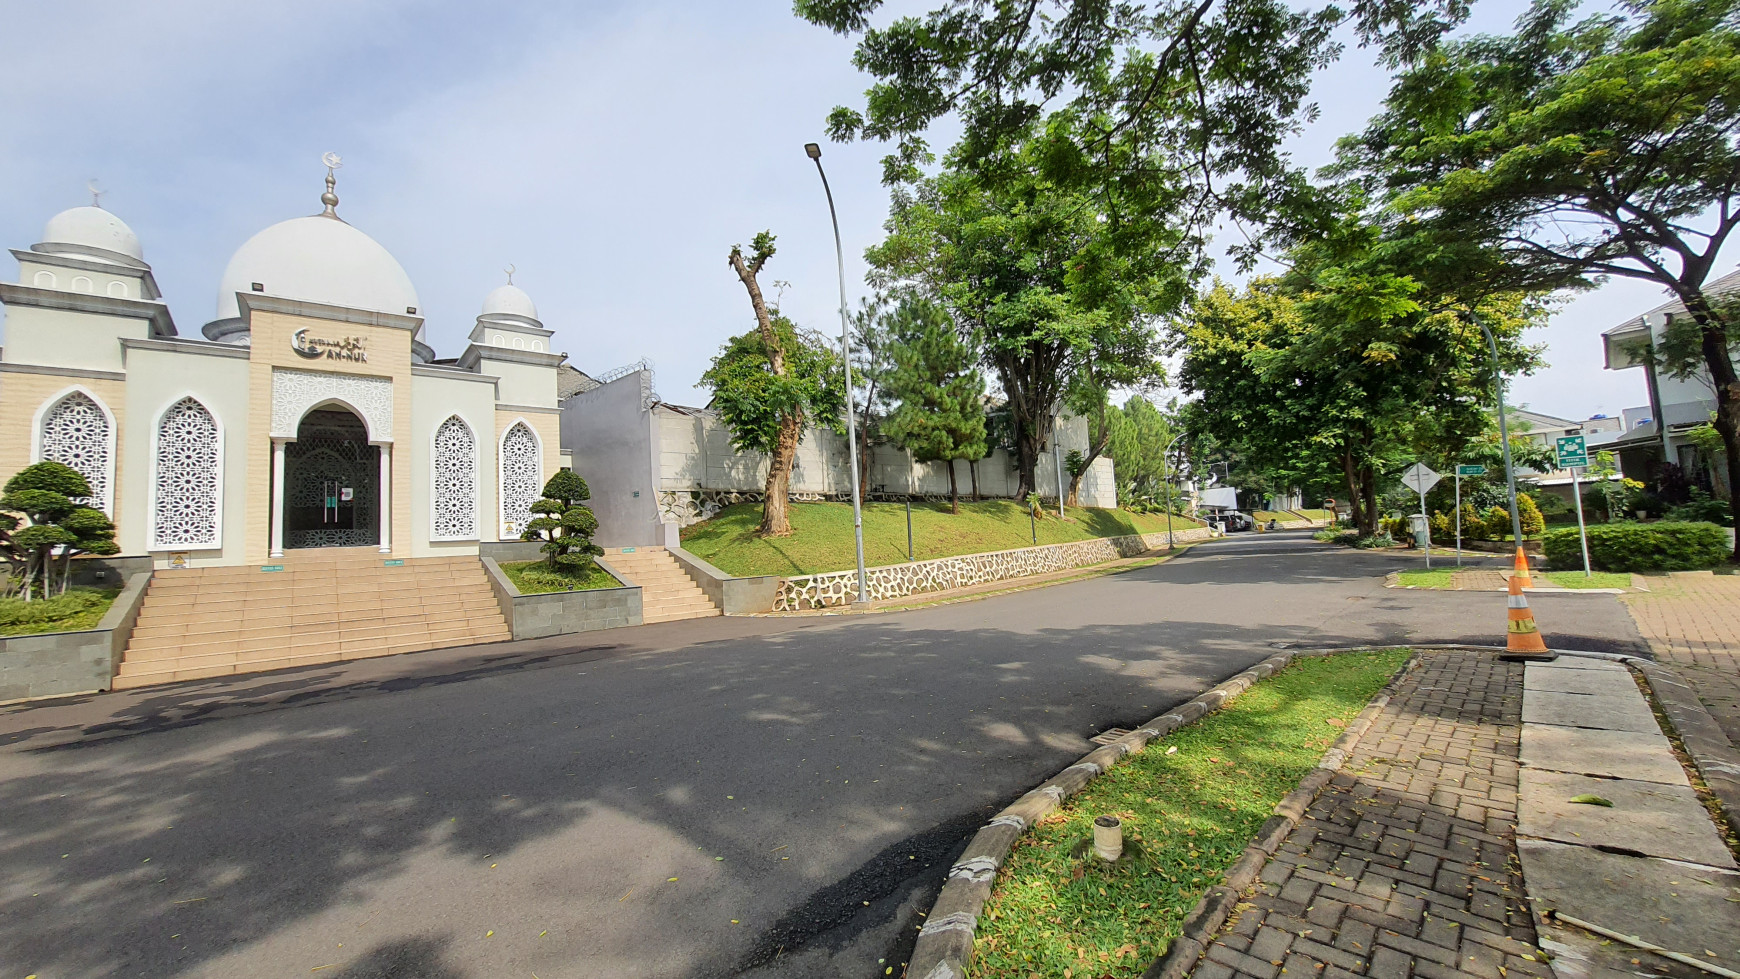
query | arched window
(537,345)
(453,482)
(76,433)
(44,279)
(82,283)
(185,508)
(522,477)
(118,289)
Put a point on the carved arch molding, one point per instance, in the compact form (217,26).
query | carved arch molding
(295,392)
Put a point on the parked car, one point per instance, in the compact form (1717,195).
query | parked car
(1235,520)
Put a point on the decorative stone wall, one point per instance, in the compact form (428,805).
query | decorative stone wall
(838,588)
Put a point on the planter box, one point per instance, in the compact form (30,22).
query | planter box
(560,613)
(59,664)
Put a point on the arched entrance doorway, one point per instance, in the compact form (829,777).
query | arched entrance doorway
(331,477)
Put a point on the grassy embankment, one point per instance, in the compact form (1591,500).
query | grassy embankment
(79,608)
(1440,578)
(1056,910)
(536,578)
(1286,515)
(821,537)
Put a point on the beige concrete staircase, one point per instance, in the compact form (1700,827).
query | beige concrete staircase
(326,605)
(667,593)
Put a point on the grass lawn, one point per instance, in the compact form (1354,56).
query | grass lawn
(79,608)
(1599,579)
(534,578)
(821,537)
(1435,578)
(1187,817)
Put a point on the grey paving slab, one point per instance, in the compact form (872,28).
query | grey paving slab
(1616,683)
(1581,663)
(1681,908)
(1607,713)
(1646,817)
(1614,754)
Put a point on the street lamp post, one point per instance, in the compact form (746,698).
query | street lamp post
(815,153)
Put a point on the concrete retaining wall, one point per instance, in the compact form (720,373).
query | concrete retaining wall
(57,664)
(563,612)
(737,596)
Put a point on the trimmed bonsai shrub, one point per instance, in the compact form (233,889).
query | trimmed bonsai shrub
(565,524)
(1641,546)
(47,495)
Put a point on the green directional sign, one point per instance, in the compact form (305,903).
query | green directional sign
(1571,450)
(1470,470)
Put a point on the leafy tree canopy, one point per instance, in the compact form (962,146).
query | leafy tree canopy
(752,400)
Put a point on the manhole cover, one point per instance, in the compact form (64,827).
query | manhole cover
(1108,736)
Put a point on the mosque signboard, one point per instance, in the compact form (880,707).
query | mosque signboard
(315,348)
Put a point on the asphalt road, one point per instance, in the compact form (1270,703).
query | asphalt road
(762,797)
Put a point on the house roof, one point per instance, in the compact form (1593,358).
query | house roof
(1720,285)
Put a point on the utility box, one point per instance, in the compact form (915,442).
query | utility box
(1421,530)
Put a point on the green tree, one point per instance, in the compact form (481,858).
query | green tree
(46,495)
(768,382)
(1140,435)
(1573,149)
(1348,362)
(1055,285)
(565,524)
(938,393)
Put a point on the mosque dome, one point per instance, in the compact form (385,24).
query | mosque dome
(511,300)
(317,259)
(91,232)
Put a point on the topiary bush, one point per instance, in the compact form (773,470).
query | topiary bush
(1640,547)
(1497,523)
(1529,515)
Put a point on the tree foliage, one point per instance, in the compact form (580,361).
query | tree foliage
(43,519)
(1053,284)
(937,392)
(1572,149)
(1140,434)
(565,524)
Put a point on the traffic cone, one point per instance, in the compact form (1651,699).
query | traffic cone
(1521,569)
(1523,640)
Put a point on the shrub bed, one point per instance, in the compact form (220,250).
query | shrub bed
(1641,547)
(79,608)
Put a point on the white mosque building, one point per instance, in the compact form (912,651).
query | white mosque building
(307,413)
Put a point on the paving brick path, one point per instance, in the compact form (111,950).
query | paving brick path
(1692,621)
(1406,863)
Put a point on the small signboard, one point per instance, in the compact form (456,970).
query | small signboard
(271,567)
(397,562)
(1470,470)
(1572,451)
(1420,478)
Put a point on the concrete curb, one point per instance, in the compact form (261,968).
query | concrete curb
(1713,754)
(945,943)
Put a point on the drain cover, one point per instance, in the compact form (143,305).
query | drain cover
(1110,735)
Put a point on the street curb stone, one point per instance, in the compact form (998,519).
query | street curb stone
(1713,754)
(945,943)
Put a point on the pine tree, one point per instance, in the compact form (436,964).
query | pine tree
(939,394)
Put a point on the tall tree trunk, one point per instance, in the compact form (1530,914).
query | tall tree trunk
(954,494)
(1713,340)
(864,458)
(973,470)
(774,520)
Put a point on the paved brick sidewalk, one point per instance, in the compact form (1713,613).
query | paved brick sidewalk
(1406,863)
(1692,621)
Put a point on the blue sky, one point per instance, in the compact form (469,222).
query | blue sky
(612,152)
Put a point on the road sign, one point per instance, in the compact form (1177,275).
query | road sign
(1571,450)
(1470,470)
(1420,478)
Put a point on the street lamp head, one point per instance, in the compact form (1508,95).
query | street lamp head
(814,150)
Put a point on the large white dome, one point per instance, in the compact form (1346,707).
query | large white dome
(317,259)
(510,299)
(90,227)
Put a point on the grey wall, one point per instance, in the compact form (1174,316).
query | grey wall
(615,450)
(56,664)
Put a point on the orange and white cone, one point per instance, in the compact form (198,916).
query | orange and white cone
(1524,636)
(1521,569)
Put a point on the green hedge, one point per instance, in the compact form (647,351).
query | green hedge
(1640,547)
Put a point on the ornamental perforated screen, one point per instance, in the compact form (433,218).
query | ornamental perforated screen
(75,432)
(454,479)
(185,509)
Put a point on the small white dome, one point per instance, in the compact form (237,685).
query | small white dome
(509,299)
(91,227)
(317,259)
